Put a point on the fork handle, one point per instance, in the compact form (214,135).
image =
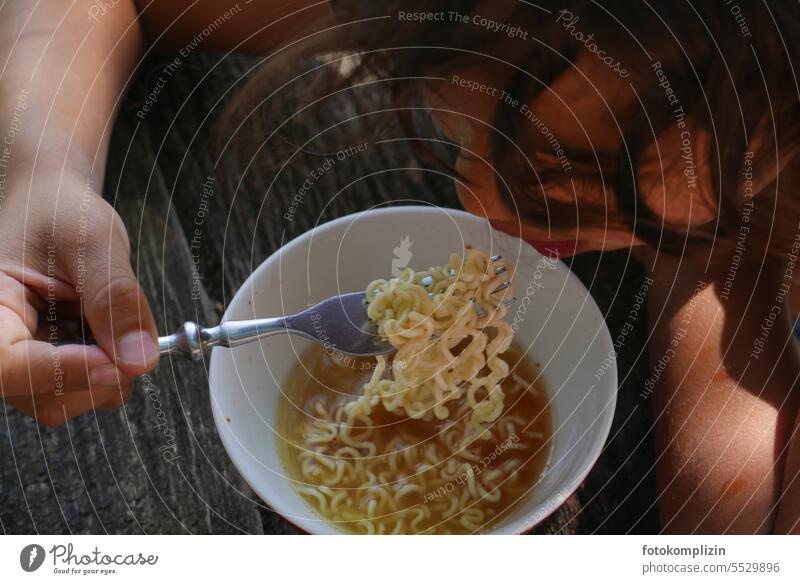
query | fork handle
(194,341)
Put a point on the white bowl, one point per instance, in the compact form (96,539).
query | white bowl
(557,322)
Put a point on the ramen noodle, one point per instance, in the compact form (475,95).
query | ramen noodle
(444,437)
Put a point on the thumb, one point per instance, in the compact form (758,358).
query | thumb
(115,306)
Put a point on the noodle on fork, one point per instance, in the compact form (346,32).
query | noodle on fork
(360,467)
(425,328)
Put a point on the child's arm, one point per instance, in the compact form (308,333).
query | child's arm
(69,69)
(788,519)
(723,416)
(63,74)
(65,66)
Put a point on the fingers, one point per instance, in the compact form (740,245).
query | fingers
(114,305)
(117,393)
(54,410)
(50,409)
(39,368)
(119,396)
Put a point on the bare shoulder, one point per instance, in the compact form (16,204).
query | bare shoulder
(254,27)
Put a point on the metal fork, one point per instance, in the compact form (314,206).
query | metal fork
(339,323)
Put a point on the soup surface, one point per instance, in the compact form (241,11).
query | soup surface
(410,475)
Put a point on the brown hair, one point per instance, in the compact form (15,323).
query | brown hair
(730,64)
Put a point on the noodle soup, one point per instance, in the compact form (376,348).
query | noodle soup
(410,475)
(247,384)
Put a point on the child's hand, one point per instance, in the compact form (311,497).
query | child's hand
(64,257)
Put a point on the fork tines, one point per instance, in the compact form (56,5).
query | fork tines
(501,287)
(428,280)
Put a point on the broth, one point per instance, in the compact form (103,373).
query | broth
(417,451)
